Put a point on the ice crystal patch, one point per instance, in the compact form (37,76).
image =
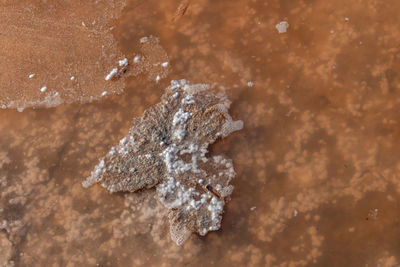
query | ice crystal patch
(166,148)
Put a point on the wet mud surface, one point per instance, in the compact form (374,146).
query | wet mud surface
(317,167)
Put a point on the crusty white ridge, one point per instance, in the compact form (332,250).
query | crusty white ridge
(166,148)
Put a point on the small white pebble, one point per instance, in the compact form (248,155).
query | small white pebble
(136,59)
(282,26)
(20,109)
(253,208)
(165,64)
(346,19)
(43,89)
(104,93)
(295,212)
(31,75)
(72,78)
(111,74)
(144,39)
(250,84)
(332,31)
(158,78)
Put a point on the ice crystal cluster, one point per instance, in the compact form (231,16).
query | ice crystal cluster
(167,148)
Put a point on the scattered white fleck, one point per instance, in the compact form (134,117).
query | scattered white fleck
(136,59)
(104,93)
(72,78)
(20,109)
(282,26)
(43,89)
(250,84)
(295,212)
(123,62)
(31,75)
(111,74)
(253,208)
(165,64)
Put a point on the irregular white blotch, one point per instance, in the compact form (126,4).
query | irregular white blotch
(165,64)
(136,59)
(43,89)
(175,84)
(144,39)
(31,75)
(104,93)
(179,134)
(72,78)
(123,62)
(250,84)
(187,100)
(181,117)
(282,26)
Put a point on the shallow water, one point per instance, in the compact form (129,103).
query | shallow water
(317,175)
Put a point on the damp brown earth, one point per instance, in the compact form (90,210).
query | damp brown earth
(317,167)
